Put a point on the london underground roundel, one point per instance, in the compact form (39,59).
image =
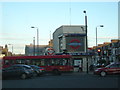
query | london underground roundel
(75,43)
(50,51)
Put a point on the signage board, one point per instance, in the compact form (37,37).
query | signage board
(75,43)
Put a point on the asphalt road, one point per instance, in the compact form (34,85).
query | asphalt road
(74,80)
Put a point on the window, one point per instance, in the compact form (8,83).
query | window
(55,61)
(9,68)
(42,62)
(113,66)
(16,67)
(27,67)
(70,62)
(118,65)
(6,62)
(48,62)
(65,61)
(25,62)
(37,62)
(18,61)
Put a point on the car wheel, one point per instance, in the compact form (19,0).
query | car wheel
(103,74)
(23,76)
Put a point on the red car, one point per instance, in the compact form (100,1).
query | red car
(113,68)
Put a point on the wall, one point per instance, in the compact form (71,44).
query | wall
(73,29)
(57,32)
(66,29)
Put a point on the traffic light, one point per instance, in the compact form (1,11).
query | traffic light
(99,51)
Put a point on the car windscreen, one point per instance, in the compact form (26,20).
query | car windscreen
(108,65)
(27,67)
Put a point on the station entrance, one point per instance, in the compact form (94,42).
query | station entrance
(78,64)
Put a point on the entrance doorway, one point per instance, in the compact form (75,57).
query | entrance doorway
(78,63)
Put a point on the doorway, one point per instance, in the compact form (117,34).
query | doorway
(78,64)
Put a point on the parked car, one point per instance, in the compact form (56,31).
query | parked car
(99,65)
(113,68)
(18,70)
(38,70)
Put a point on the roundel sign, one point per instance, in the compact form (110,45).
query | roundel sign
(50,51)
(75,43)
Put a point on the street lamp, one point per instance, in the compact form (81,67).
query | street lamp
(86,39)
(12,47)
(37,39)
(96,39)
(96,35)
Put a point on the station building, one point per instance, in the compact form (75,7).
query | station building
(71,39)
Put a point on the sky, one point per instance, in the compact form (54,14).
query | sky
(119,20)
(18,17)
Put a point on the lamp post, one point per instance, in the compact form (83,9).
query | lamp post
(86,40)
(12,47)
(96,35)
(96,39)
(37,39)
